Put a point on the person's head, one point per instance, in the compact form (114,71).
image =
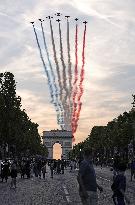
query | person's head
(87,153)
(122,168)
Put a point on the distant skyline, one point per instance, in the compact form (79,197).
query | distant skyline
(110,63)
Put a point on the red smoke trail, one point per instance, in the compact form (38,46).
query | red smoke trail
(75,80)
(81,90)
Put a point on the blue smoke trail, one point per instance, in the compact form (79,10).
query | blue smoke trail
(46,71)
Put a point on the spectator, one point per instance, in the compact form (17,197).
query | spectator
(62,166)
(13,174)
(5,170)
(119,186)
(23,170)
(87,181)
(51,168)
(132,169)
(44,170)
(58,166)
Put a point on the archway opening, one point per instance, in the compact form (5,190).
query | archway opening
(57,151)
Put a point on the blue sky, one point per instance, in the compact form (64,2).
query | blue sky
(110,57)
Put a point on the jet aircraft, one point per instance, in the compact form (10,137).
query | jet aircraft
(58,20)
(58,14)
(85,22)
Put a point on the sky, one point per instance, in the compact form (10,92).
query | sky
(110,57)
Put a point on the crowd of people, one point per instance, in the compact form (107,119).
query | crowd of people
(37,167)
(30,167)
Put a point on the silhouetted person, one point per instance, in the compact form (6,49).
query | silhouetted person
(58,166)
(62,166)
(119,186)
(27,168)
(13,174)
(5,171)
(51,168)
(132,167)
(87,180)
(44,170)
(22,167)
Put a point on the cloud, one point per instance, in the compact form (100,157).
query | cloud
(109,70)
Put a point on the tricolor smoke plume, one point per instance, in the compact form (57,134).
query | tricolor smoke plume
(66,90)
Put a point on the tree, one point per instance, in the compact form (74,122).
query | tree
(16,129)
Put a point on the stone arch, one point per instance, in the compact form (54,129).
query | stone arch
(62,137)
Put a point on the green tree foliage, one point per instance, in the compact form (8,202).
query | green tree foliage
(16,129)
(104,139)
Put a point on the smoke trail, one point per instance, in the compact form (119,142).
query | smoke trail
(56,60)
(69,75)
(75,88)
(63,64)
(57,67)
(81,81)
(58,105)
(66,106)
(46,71)
(69,60)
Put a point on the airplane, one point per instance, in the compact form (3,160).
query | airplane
(58,14)
(85,22)
(67,17)
(58,20)
(76,19)
(49,17)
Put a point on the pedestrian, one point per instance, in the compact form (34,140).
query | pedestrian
(39,166)
(35,169)
(58,166)
(23,169)
(116,162)
(13,174)
(55,166)
(44,170)
(62,166)
(132,167)
(51,168)
(71,165)
(119,186)
(27,168)
(5,170)
(87,180)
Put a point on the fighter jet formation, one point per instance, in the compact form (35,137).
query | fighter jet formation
(65,79)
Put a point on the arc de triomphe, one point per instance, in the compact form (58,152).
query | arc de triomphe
(63,137)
